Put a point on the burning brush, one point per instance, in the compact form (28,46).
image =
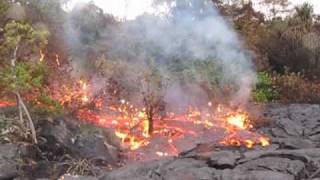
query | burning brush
(132,126)
(170,131)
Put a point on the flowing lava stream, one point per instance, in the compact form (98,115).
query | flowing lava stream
(175,132)
(171,135)
(7,104)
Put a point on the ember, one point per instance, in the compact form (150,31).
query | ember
(131,124)
(6,104)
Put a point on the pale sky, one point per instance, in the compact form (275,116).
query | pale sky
(130,9)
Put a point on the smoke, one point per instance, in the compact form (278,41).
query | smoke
(192,45)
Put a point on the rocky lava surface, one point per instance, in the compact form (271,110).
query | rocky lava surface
(293,155)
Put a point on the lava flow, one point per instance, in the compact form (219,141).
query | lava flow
(7,104)
(171,133)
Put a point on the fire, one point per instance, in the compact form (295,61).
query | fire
(162,154)
(145,132)
(249,143)
(58,59)
(7,104)
(84,98)
(42,55)
(239,120)
(264,141)
(131,125)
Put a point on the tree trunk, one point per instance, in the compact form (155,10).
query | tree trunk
(20,103)
(19,110)
(150,119)
(30,122)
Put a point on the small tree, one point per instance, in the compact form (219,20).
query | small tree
(153,87)
(18,75)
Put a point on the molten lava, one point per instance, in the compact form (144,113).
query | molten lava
(57,60)
(42,55)
(222,125)
(7,104)
(131,127)
(238,120)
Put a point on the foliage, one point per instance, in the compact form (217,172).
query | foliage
(289,46)
(4,6)
(293,43)
(44,104)
(264,90)
(296,88)
(89,20)
(25,77)
(304,13)
(29,75)
(16,33)
(206,72)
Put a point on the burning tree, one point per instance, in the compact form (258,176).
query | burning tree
(20,74)
(153,86)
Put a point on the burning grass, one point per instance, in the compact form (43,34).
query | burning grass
(171,134)
(131,126)
(5,103)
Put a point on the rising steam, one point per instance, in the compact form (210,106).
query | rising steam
(191,31)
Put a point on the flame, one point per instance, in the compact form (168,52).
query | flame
(85,97)
(145,132)
(249,143)
(238,120)
(121,135)
(162,154)
(58,59)
(131,125)
(264,141)
(42,55)
(7,104)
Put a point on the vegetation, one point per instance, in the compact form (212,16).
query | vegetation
(286,48)
(264,91)
(17,75)
(47,54)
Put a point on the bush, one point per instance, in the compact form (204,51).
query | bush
(296,88)
(26,77)
(45,104)
(264,90)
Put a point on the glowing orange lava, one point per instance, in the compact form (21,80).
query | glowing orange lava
(131,126)
(42,55)
(57,60)
(7,104)
(130,123)
(238,120)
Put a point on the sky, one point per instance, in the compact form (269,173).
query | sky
(129,9)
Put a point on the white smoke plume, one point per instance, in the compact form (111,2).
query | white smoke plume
(192,30)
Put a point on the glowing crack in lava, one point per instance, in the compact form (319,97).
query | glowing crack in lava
(7,104)
(174,132)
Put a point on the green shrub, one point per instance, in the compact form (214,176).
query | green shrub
(25,77)
(46,105)
(264,90)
